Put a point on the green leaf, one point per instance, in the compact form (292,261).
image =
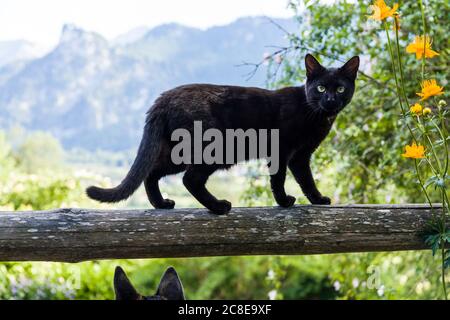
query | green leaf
(447,259)
(434,242)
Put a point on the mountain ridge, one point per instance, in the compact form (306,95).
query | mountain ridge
(93,93)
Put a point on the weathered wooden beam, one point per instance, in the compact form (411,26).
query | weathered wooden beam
(72,235)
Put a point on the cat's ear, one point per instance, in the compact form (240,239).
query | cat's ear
(170,286)
(122,286)
(313,67)
(350,68)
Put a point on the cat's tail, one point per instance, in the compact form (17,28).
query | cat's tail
(146,156)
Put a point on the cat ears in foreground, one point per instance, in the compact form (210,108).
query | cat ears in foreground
(349,69)
(170,287)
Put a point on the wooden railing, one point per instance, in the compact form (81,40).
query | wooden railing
(72,235)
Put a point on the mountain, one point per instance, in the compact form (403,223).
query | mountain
(18,50)
(93,93)
(130,36)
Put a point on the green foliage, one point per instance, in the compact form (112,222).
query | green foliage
(367,139)
(39,151)
(30,178)
(361,157)
(258,191)
(7,162)
(218,278)
(39,193)
(37,281)
(408,275)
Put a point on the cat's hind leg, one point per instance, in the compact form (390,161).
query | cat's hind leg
(154,194)
(195,181)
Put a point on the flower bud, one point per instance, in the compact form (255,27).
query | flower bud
(426,111)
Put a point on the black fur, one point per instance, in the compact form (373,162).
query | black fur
(170,287)
(148,148)
(303,115)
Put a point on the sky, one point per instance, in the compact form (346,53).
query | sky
(41,21)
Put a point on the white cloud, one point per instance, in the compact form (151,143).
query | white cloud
(41,21)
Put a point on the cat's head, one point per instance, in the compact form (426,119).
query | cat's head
(329,90)
(170,287)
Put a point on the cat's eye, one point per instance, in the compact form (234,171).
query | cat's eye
(340,89)
(321,89)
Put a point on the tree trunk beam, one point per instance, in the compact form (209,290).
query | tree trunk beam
(73,235)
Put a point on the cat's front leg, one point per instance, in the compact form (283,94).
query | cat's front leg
(277,184)
(300,168)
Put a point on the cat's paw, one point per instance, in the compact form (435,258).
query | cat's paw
(220,207)
(287,202)
(320,200)
(167,204)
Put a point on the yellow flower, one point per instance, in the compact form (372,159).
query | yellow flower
(381,11)
(414,151)
(430,89)
(426,111)
(416,109)
(421,46)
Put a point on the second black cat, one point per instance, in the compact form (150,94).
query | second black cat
(302,115)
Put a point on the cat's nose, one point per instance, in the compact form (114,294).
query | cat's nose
(331,98)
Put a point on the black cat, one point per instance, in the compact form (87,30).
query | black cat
(303,115)
(170,287)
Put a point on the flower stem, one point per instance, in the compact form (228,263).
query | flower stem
(447,201)
(444,141)
(443,173)
(443,242)
(444,285)
(402,82)
(424,27)
(394,70)
(434,152)
(422,185)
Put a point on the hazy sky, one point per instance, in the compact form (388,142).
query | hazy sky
(40,21)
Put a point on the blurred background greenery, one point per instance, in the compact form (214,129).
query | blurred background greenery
(360,163)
